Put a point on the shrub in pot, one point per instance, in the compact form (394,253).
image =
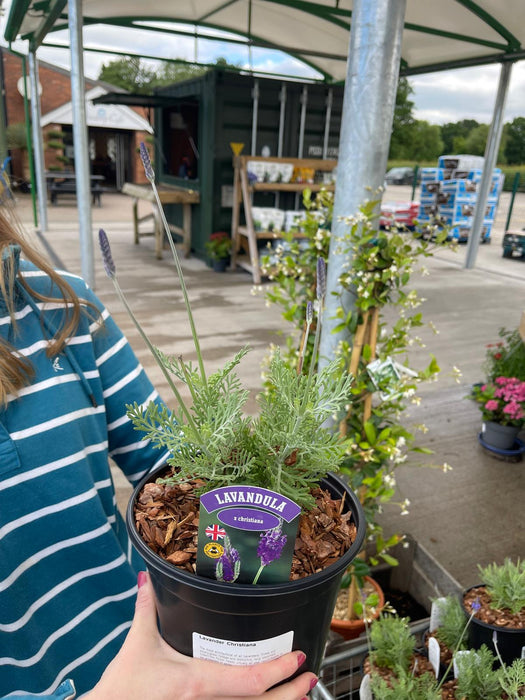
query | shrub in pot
(447,626)
(218,249)
(498,609)
(284,453)
(393,649)
(502,405)
(352,615)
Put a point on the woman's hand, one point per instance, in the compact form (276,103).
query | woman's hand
(148,668)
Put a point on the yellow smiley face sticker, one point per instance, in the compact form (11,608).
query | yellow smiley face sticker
(213,550)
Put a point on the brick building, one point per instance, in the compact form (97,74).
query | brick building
(114,131)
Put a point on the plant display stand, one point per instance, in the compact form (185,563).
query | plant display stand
(244,236)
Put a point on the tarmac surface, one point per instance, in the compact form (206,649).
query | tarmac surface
(474,514)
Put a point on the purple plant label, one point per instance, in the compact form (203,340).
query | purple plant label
(251,496)
(246,535)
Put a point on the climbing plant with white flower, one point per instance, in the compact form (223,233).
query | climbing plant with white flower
(378,274)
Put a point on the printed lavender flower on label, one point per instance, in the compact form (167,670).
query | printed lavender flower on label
(229,564)
(270,547)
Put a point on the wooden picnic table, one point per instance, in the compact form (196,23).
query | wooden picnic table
(65,182)
(167,195)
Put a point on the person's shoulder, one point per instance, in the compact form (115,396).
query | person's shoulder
(40,280)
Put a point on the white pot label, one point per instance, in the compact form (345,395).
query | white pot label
(364,689)
(227,651)
(435,614)
(434,654)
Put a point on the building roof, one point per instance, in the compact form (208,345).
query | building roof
(108,116)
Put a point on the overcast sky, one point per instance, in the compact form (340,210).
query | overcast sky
(439,97)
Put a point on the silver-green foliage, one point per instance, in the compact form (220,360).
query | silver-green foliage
(405,687)
(476,677)
(452,622)
(505,584)
(512,679)
(392,643)
(285,448)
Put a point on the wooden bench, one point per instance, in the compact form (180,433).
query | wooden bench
(66,183)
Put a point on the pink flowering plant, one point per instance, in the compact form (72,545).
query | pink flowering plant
(501,401)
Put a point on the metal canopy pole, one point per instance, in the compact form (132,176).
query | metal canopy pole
(255,96)
(328,117)
(80,142)
(282,114)
(38,148)
(302,124)
(368,110)
(491,154)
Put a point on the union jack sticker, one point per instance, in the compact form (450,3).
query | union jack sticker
(215,532)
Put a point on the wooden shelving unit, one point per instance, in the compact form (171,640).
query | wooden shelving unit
(245,251)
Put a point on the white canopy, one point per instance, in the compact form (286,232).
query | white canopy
(437,34)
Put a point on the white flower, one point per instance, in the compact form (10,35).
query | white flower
(446,467)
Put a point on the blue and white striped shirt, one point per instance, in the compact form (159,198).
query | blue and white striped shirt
(67,580)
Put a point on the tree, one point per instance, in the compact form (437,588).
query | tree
(425,141)
(455,133)
(477,140)
(129,73)
(134,75)
(403,120)
(514,148)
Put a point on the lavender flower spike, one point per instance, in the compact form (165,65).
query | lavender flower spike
(270,547)
(309,312)
(229,564)
(321,278)
(146,162)
(107,258)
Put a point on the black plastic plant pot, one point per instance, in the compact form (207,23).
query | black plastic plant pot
(240,623)
(510,641)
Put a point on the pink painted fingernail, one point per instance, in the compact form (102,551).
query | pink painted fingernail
(141,578)
(313,683)
(301,658)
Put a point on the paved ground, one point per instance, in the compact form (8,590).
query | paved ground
(474,514)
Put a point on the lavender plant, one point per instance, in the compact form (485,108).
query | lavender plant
(506,584)
(452,622)
(285,448)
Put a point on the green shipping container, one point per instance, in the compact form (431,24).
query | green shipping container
(199,119)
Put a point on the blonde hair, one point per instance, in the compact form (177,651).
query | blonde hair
(17,371)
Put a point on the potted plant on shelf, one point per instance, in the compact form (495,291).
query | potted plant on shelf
(351,616)
(502,405)
(447,625)
(219,249)
(285,458)
(497,607)
(393,649)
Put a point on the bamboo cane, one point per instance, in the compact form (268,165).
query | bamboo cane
(357,349)
(374,326)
